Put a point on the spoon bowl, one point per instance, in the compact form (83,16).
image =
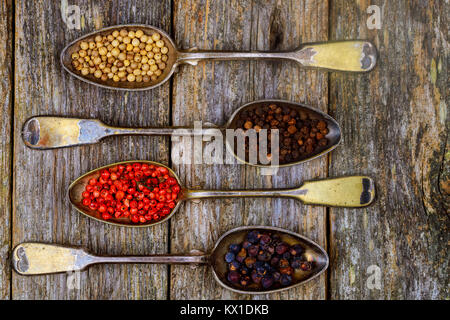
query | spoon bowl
(350,56)
(171,63)
(39,258)
(333,136)
(77,187)
(351,191)
(313,252)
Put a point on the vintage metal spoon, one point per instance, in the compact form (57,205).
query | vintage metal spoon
(354,56)
(351,191)
(44,132)
(39,258)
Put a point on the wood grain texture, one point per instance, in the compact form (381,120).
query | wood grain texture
(395,123)
(6,35)
(210,92)
(395,128)
(41,208)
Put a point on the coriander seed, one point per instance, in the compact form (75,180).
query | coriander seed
(122,55)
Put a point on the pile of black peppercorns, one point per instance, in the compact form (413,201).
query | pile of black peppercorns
(299,134)
(264,259)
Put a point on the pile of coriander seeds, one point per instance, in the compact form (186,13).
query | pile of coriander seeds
(123,55)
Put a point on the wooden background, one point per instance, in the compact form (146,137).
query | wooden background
(395,128)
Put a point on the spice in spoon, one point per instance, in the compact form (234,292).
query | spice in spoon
(124,55)
(136,191)
(300,135)
(264,260)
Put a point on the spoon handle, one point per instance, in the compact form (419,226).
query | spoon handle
(350,192)
(354,191)
(193,57)
(31,258)
(266,193)
(179,131)
(352,56)
(154,259)
(47,132)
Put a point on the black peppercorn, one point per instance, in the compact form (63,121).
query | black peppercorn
(265,260)
(253,251)
(233,276)
(246,244)
(249,262)
(282,248)
(235,248)
(229,257)
(306,266)
(234,265)
(267,281)
(241,255)
(245,280)
(256,277)
(294,128)
(265,239)
(296,250)
(264,256)
(285,280)
(244,270)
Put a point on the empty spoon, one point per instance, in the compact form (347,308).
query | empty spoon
(38,258)
(352,191)
(352,55)
(45,132)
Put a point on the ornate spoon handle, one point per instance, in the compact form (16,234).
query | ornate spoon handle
(354,191)
(154,259)
(352,56)
(30,258)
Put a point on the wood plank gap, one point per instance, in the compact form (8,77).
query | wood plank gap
(50,90)
(169,224)
(329,159)
(12,102)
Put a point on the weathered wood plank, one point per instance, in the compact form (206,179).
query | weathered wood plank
(6,36)
(41,208)
(211,92)
(395,124)
(284,25)
(208,92)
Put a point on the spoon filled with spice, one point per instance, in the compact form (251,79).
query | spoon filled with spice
(304,133)
(141,57)
(247,260)
(144,193)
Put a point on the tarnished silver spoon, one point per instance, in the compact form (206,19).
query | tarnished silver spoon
(351,191)
(38,258)
(352,56)
(45,132)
